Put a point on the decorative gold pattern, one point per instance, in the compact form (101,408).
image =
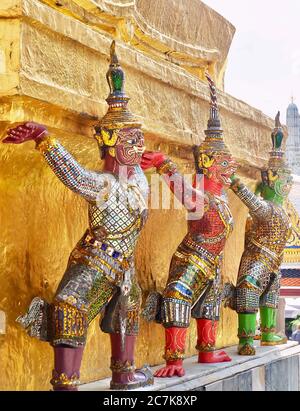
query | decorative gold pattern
(272,343)
(62,380)
(205,347)
(246,349)
(292,249)
(46,144)
(246,334)
(268,330)
(109,139)
(122,366)
(174,355)
(167,167)
(69,323)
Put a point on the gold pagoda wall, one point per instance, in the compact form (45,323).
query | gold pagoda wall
(53,60)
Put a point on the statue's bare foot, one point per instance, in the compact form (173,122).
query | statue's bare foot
(213,357)
(170,371)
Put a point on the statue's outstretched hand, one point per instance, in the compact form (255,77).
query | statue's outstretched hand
(26,132)
(152,159)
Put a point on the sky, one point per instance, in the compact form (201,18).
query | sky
(264,59)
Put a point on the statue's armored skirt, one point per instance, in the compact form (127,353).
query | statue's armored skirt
(194,284)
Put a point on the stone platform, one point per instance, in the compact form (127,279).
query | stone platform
(271,369)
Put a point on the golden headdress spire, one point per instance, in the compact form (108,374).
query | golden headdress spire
(214,142)
(277,155)
(118,115)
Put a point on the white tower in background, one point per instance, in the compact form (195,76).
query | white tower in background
(293,141)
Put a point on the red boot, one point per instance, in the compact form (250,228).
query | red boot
(124,374)
(207,335)
(174,353)
(67,361)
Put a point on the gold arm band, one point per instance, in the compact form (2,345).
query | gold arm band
(46,144)
(167,167)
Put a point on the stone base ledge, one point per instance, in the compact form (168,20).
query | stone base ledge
(271,369)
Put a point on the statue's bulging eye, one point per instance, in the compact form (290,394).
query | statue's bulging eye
(132,141)
(224,163)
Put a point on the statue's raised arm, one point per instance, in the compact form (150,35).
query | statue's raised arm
(256,205)
(87,184)
(213,163)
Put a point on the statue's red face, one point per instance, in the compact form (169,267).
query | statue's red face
(222,169)
(130,146)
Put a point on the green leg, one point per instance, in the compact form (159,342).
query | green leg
(247,328)
(268,327)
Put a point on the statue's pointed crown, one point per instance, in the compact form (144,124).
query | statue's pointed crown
(214,142)
(277,155)
(118,115)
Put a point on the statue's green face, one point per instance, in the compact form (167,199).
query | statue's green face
(276,184)
(268,193)
(283,185)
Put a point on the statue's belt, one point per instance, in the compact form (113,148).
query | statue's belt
(124,281)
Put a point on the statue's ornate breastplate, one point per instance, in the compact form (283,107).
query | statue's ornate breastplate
(212,230)
(117,219)
(270,235)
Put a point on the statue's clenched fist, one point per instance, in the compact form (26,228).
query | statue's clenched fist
(26,132)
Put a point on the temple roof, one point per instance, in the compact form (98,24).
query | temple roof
(292,206)
(290,277)
(292,250)
(290,273)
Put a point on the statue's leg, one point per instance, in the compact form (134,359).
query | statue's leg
(246,333)
(124,374)
(186,283)
(64,326)
(176,315)
(66,373)
(268,313)
(248,291)
(175,338)
(81,295)
(207,314)
(69,333)
(206,342)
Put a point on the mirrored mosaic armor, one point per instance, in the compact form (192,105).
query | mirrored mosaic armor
(267,232)
(104,256)
(194,283)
